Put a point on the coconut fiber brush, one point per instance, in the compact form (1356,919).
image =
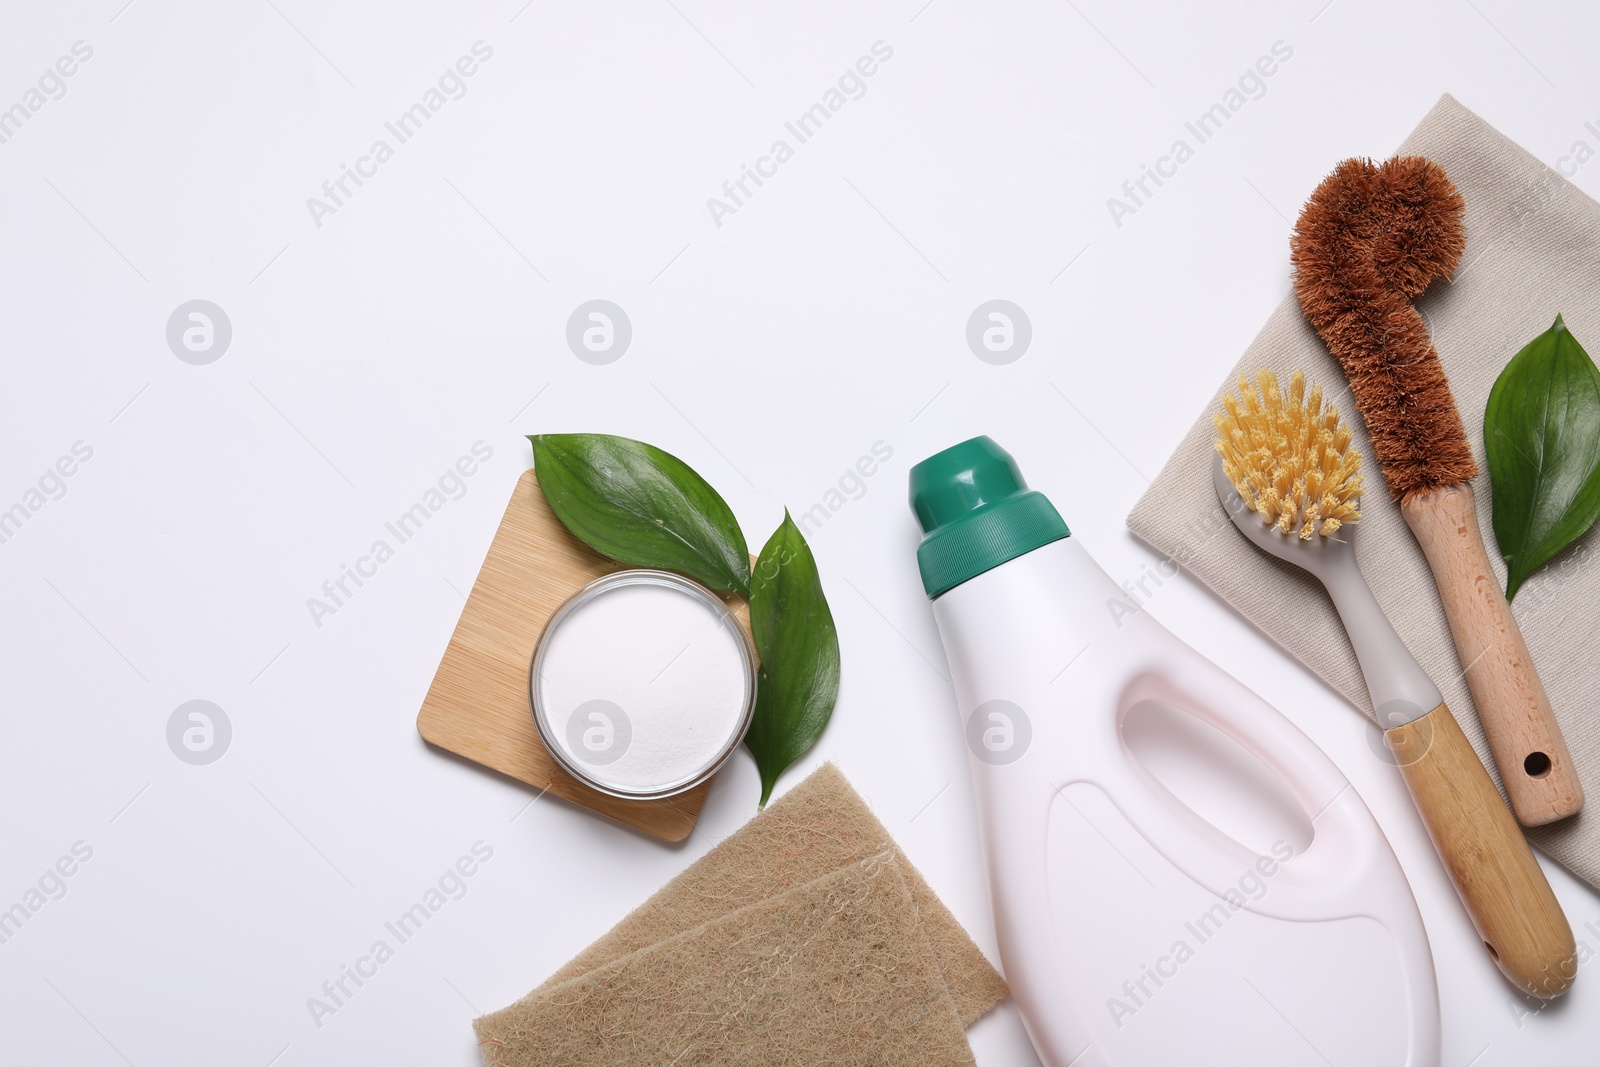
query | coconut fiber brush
(1369,241)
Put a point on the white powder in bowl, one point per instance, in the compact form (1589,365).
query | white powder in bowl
(643,684)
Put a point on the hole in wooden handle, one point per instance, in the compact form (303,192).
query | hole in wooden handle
(1537,765)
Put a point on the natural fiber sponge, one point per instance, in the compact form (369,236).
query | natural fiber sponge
(817,827)
(832,971)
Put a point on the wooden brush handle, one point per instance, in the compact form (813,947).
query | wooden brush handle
(1523,735)
(1489,861)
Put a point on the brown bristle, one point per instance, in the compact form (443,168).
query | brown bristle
(1369,241)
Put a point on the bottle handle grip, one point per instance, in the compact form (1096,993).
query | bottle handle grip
(1315,884)
(1347,870)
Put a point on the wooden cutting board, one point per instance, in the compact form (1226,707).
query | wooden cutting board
(478,704)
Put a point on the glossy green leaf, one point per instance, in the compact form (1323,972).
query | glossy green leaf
(799,650)
(1542,434)
(642,506)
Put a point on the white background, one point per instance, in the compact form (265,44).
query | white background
(428,313)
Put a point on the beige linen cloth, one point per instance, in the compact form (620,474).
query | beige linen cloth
(1533,250)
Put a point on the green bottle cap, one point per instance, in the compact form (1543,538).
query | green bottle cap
(976,513)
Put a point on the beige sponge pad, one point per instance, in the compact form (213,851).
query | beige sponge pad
(817,827)
(805,937)
(830,972)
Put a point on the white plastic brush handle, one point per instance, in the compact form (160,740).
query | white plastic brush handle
(1400,689)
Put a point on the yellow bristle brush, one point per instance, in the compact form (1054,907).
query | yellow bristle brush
(1287,474)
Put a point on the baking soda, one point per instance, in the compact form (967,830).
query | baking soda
(643,686)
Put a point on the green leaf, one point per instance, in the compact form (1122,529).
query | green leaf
(799,650)
(1542,435)
(642,506)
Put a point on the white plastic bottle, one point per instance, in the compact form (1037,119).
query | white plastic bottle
(1131,930)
